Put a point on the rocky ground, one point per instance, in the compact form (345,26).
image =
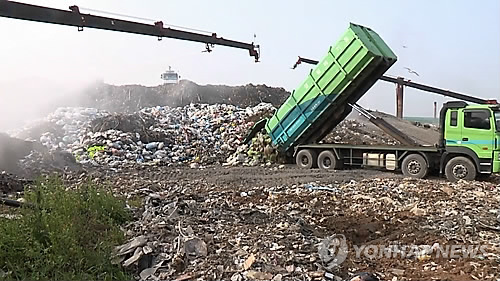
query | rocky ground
(263,223)
(269,222)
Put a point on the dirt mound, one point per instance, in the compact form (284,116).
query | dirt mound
(11,151)
(132,98)
(42,161)
(11,184)
(30,159)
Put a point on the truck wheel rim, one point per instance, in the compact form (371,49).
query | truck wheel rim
(460,171)
(304,160)
(327,162)
(414,167)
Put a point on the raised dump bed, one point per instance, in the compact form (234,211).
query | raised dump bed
(342,77)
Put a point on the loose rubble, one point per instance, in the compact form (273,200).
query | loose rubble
(208,225)
(10,184)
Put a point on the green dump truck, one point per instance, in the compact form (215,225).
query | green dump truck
(470,134)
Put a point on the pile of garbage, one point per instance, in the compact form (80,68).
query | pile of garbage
(197,133)
(260,150)
(263,229)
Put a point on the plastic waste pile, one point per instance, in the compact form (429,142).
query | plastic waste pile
(71,120)
(260,150)
(196,133)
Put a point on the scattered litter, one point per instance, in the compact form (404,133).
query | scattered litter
(249,261)
(313,187)
(195,248)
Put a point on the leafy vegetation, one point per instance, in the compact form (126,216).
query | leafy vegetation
(63,235)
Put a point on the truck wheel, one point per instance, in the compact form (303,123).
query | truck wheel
(328,161)
(415,166)
(306,158)
(460,168)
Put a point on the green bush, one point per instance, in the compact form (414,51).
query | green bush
(63,235)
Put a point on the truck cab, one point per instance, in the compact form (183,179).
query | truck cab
(470,138)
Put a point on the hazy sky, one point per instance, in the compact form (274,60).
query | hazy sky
(451,44)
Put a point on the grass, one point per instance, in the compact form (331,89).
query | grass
(135,201)
(63,235)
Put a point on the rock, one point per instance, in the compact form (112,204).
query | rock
(248,262)
(417,211)
(130,246)
(448,190)
(137,255)
(146,273)
(257,275)
(236,277)
(151,146)
(398,272)
(277,277)
(467,220)
(195,248)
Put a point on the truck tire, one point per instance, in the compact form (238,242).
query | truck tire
(328,161)
(306,158)
(460,168)
(415,166)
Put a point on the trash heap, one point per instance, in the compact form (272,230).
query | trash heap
(70,122)
(196,133)
(206,226)
(260,150)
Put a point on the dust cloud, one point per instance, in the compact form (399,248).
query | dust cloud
(23,101)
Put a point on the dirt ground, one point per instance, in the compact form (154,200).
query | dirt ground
(270,212)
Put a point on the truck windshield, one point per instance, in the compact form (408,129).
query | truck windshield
(497,119)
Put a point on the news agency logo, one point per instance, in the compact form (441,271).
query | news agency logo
(333,251)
